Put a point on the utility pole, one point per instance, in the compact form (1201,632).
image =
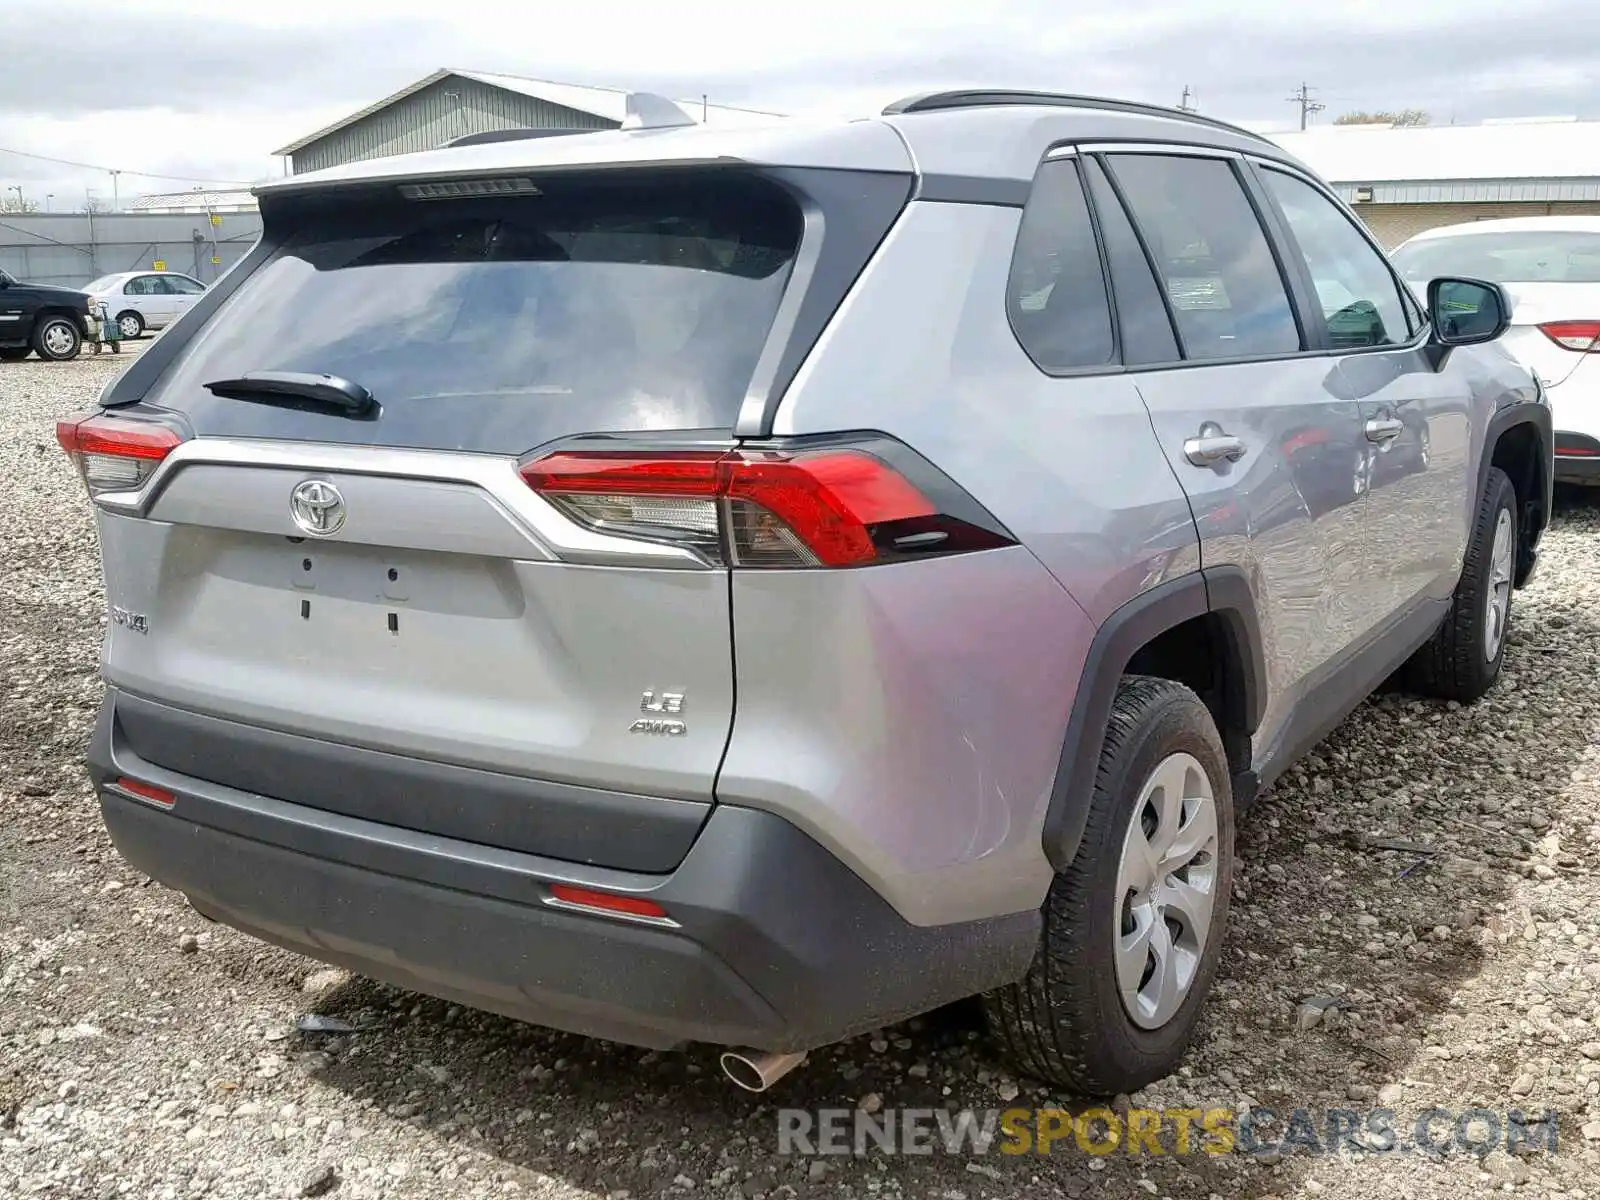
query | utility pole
(1308,106)
(1184,104)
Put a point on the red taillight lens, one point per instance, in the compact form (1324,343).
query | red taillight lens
(768,508)
(829,500)
(609,902)
(115,454)
(1582,336)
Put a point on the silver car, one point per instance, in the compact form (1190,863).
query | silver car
(750,586)
(139,301)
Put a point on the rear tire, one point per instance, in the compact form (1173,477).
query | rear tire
(1096,1014)
(57,338)
(130,324)
(1462,659)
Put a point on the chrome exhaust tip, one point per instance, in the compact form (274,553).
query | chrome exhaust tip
(756,1070)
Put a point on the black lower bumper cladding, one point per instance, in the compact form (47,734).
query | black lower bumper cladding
(769,941)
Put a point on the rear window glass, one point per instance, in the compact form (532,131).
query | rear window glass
(1546,256)
(497,324)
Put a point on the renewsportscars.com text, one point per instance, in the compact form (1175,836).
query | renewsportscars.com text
(1175,1131)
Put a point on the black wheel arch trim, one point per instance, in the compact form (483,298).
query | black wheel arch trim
(1223,592)
(1542,506)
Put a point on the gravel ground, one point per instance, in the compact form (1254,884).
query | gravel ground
(145,1053)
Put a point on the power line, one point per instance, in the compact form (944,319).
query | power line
(67,162)
(1307,105)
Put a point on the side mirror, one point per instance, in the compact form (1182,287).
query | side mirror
(1467,312)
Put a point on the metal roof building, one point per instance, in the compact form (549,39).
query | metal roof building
(1405,180)
(194,202)
(451,103)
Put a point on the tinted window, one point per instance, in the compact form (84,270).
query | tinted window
(142,285)
(1359,296)
(1141,315)
(1056,296)
(182,285)
(1543,256)
(1226,293)
(499,323)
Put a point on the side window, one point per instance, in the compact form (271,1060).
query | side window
(1227,295)
(1358,293)
(1056,295)
(139,286)
(1142,316)
(182,285)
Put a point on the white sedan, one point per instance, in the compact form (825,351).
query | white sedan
(1550,267)
(141,300)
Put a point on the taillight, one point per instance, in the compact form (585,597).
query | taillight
(1583,336)
(115,454)
(828,507)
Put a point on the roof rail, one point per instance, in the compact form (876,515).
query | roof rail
(507,135)
(943,101)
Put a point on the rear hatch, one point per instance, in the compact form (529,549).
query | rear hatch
(384,581)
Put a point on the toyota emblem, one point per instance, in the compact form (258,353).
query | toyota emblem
(317,507)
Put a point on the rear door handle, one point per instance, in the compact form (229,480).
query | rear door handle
(1213,446)
(1384,429)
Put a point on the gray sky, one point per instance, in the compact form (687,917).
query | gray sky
(208,89)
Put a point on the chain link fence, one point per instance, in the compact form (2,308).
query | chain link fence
(70,249)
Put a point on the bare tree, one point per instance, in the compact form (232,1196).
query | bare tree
(1404,118)
(93,204)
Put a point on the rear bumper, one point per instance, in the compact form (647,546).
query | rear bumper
(1577,458)
(774,943)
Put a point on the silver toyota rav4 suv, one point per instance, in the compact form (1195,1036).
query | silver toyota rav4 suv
(750,586)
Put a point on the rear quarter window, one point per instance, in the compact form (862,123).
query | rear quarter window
(497,324)
(1056,295)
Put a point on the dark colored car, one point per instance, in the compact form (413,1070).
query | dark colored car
(42,319)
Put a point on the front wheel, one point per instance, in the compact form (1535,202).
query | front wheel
(1462,659)
(58,339)
(1133,928)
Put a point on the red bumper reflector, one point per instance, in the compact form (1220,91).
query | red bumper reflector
(154,795)
(628,906)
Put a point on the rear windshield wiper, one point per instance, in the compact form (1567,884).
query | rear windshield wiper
(268,386)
